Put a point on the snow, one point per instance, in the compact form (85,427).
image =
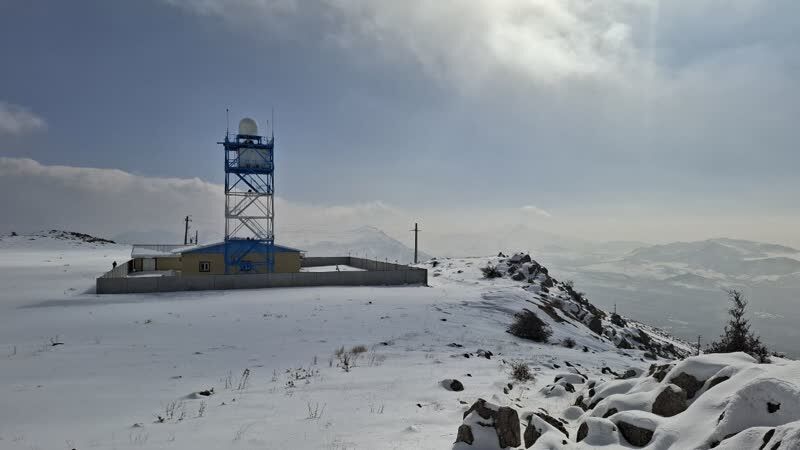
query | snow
(341,268)
(270,356)
(601,432)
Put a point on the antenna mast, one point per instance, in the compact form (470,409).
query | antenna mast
(416,231)
(187,219)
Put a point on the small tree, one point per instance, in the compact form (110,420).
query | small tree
(528,325)
(737,336)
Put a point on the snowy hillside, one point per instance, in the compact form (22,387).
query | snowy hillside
(347,367)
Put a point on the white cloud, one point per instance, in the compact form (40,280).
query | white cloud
(544,40)
(536,210)
(15,119)
(111,202)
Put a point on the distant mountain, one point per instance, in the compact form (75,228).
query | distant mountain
(615,247)
(518,237)
(363,241)
(693,281)
(727,257)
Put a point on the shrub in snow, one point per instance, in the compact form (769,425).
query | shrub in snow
(737,336)
(358,349)
(528,325)
(491,271)
(568,342)
(520,371)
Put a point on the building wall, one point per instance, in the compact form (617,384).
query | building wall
(173,263)
(168,263)
(287,262)
(284,262)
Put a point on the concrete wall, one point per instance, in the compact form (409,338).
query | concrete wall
(111,285)
(318,261)
(119,272)
(359,263)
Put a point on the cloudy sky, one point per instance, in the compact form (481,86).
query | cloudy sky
(624,119)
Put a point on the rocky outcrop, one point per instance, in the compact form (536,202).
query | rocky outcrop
(583,430)
(688,383)
(552,421)
(670,401)
(531,435)
(503,419)
(659,371)
(636,436)
(716,381)
(452,385)
(596,325)
(465,434)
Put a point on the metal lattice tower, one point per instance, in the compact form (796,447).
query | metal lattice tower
(249,204)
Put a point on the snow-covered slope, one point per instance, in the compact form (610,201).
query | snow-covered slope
(281,368)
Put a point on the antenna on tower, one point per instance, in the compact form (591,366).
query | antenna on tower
(273,123)
(227,123)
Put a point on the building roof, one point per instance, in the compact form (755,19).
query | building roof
(157,250)
(219,246)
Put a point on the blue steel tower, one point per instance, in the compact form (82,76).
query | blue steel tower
(249,205)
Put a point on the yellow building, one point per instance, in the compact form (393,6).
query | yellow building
(210,259)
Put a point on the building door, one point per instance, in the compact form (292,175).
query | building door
(148,264)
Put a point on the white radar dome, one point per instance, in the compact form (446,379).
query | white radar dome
(248,126)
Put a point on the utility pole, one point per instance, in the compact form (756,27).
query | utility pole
(416,231)
(186,220)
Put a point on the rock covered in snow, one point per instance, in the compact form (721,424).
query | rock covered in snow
(670,401)
(452,385)
(488,426)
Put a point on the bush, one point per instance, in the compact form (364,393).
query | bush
(737,336)
(520,371)
(528,325)
(358,349)
(568,342)
(491,271)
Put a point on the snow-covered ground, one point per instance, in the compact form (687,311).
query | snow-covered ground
(340,267)
(81,371)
